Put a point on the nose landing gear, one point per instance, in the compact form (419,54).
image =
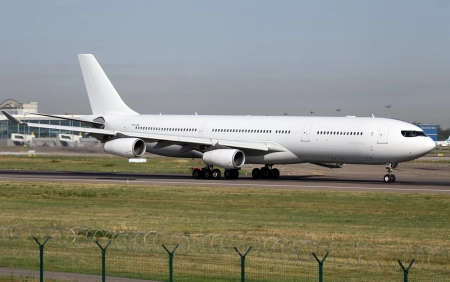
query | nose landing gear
(389,177)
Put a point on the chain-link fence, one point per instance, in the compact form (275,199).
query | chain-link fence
(75,254)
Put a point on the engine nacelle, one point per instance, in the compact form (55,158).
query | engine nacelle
(125,147)
(226,158)
(331,165)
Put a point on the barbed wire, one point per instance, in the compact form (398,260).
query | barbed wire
(262,246)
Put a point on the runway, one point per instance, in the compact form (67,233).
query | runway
(411,178)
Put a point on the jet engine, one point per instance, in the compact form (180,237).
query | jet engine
(226,158)
(330,165)
(125,147)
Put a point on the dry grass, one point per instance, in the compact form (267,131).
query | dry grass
(384,221)
(340,216)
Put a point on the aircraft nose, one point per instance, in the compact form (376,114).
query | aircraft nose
(429,145)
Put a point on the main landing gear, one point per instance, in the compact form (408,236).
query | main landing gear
(209,173)
(389,177)
(266,172)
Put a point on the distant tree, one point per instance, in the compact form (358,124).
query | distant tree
(443,134)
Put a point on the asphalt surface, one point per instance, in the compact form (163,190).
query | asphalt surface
(61,276)
(411,178)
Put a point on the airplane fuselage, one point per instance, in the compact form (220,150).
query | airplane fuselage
(348,140)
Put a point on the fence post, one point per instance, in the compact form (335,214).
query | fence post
(103,259)
(406,270)
(320,265)
(171,253)
(41,258)
(243,262)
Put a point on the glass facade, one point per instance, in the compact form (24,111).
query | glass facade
(7,127)
(12,112)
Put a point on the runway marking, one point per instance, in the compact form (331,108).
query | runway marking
(128,181)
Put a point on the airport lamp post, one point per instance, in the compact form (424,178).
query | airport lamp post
(389,112)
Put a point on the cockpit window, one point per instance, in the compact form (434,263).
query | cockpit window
(411,133)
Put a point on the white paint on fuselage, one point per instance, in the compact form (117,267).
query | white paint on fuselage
(301,137)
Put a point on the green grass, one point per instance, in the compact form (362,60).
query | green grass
(97,163)
(287,213)
(383,221)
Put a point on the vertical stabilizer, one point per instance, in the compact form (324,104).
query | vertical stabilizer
(103,96)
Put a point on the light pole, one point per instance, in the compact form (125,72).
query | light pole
(389,113)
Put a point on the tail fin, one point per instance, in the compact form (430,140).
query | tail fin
(103,97)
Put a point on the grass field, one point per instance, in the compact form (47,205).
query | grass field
(96,163)
(382,220)
(357,217)
(385,221)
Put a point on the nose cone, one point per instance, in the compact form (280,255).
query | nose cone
(428,145)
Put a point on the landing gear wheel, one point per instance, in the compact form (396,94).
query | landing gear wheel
(393,178)
(265,173)
(275,174)
(197,173)
(207,173)
(216,174)
(389,178)
(231,174)
(256,173)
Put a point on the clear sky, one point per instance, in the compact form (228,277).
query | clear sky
(234,57)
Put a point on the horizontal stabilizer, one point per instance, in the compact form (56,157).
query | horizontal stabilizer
(12,119)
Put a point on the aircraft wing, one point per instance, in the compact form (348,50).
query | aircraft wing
(162,139)
(167,140)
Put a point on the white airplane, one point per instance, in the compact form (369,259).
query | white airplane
(231,141)
(444,143)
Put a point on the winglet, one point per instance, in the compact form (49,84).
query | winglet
(13,119)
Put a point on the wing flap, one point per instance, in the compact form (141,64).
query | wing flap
(244,145)
(12,119)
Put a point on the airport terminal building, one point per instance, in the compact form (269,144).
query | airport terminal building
(25,112)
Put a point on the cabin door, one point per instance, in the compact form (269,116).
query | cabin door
(200,132)
(127,125)
(305,133)
(383,134)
